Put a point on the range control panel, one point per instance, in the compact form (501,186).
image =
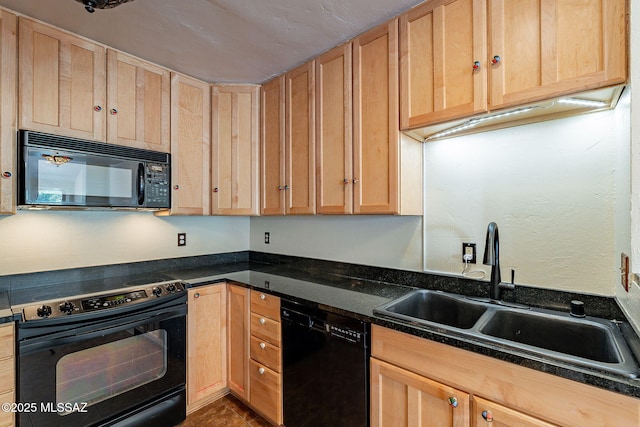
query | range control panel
(73,306)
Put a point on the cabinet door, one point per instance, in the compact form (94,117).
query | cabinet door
(138,103)
(300,161)
(334,131)
(550,47)
(376,136)
(235,149)
(238,340)
(7,345)
(190,146)
(62,82)
(206,343)
(490,414)
(8,88)
(402,398)
(440,44)
(272,147)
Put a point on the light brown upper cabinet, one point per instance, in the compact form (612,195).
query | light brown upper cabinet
(443,61)
(387,172)
(334,131)
(235,149)
(548,48)
(62,82)
(190,146)
(535,50)
(288,143)
(8,83)
(272,147)
(300,140)
(138,103)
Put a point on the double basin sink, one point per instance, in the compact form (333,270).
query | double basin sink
(588,342)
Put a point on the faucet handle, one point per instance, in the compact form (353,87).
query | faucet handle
(510,286)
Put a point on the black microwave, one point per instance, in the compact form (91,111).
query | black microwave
(61,172)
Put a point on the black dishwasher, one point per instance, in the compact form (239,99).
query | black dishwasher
(326,368)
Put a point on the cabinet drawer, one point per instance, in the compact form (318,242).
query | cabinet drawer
(266,329)
(7,342)
(6,418)
(266,391)
(265,304)
(266,353)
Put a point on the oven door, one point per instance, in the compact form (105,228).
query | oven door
(106,376)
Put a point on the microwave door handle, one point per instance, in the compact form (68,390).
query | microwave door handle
(141,184)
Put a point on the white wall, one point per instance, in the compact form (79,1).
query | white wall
(631,301)
(559,191)
(38,241)
(385,241)
(550,187)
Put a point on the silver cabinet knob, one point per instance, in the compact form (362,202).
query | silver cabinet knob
(262,321)
(263,345)
(196,295)
(261,371)
(355,180)
(263,297)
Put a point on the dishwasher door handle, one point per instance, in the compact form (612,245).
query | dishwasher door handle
(296,318)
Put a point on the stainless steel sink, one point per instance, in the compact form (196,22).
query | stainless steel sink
(591,342)
(435,307)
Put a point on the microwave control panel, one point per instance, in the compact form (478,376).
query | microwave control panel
(157,193)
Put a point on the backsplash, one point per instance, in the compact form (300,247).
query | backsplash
(54,240)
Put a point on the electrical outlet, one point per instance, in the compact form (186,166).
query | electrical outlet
(267,236)
(469,252)
(624,271)
(182,239)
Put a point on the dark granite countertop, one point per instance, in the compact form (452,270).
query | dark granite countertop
(337,290)
(358,297)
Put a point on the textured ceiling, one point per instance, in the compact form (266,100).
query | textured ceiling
(219,40)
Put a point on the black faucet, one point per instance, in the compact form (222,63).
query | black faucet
(491,257)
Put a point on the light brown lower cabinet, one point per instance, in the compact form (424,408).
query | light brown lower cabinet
(206,345)
(266,394)
(265,377)
(402,398)
(254,355)
(486,412)
(238,340)
(7,372)
(413,380)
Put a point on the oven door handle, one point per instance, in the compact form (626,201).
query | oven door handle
(31,345)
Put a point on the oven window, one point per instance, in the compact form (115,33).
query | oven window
(99,373)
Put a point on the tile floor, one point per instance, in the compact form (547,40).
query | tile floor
(225,412)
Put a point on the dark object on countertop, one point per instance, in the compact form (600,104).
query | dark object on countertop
(577,308)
